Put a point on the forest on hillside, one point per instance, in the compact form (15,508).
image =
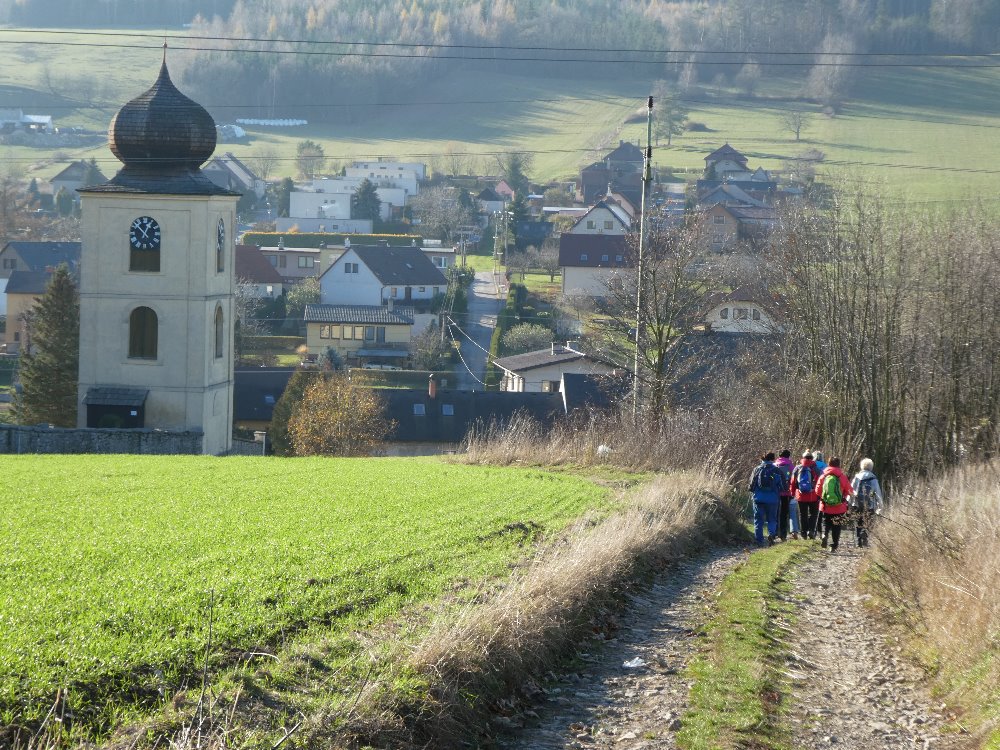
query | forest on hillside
(377,51)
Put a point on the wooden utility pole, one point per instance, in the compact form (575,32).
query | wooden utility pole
(647,176)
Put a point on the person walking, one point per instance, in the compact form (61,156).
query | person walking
(834,489)
(785,465)
(765,484)
(867,500)
(805,486)
(821,466)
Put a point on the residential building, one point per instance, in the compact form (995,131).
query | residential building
(38,256)
(376,274)
(23,291)
(230,173)
(491,201)
(361,334)
(591,262)
(16,119)
(255,392)
(387,175)
(603,218)
(74,176)
(743,311)
(619,171)
(542,371)
(256,271)
(732,225)
(293,263)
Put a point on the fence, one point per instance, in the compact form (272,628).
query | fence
(42,439)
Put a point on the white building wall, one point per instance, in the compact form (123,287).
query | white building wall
(349,226)
(587,282)
(384,176)
(546,379)
(599,221)
(741,317)
(336,287)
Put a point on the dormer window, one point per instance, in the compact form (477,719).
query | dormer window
(583,257)
(724,313)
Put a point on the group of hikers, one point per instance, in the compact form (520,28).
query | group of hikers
(812,498)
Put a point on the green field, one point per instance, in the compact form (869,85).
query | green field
(921,133)
(113,565)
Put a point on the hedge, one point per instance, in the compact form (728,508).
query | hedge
(313,239)
(273,343)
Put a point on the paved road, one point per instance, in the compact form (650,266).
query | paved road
(484,306)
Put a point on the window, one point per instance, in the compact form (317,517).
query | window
(741,313)
(756,314)
(273,260)
(591,224)
(142,333)
(144,259)
(324,332)
(447,410)
(10,263)
(583,257)
(395,291)
(619,258)
(437,290)
(724,313)
(369,333)
(609,225)
(423,289)
(719,219)
(347,333)
(550,386)
(359,333)
(419,410)
(305,261)
(605,258)
(350,268)
(282,261)
(219,332)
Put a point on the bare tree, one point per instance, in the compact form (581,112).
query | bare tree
(795,121)
(440,212)
(263,161)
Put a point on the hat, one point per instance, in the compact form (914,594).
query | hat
(807,454)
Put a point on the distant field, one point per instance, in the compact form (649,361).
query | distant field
(923,134)
(112,566)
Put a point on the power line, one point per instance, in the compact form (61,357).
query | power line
(516,48)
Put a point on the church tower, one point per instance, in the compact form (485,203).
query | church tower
(156,277)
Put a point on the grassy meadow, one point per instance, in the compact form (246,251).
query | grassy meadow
(921,134)
(117,568)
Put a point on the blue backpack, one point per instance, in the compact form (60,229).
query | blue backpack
(766,477)
(804,479)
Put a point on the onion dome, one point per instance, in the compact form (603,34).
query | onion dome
(162,130)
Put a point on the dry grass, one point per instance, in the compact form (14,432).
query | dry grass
(474,667)
(936,564)
(682,440)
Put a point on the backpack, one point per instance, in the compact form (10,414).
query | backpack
(832,494)
(804,479)
(766,478)
(866,495)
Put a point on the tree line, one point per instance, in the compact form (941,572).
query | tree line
(727,42)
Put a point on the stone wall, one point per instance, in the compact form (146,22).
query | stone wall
(41,439)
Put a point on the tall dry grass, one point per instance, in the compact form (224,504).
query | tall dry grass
(936,564)
(681,440)
(477,664)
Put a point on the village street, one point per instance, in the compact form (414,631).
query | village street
(485,301)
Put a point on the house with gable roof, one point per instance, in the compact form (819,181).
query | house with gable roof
(542,371)
(230,173)
(619,171)
(75,176)
(603,218)
(376,274)
(35,257)
(590,262)
(254,269)
(361,334)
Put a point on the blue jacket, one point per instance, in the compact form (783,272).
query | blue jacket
(766,482)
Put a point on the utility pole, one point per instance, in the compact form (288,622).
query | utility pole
(647,176)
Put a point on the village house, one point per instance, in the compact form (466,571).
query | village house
(294,264)
(376,274)
(603,218)
(232,174)
(361,334)
(76,175)
(41,257)
(743,311)
(542,371)
(255,271)
(15,119)
(590,262)
(733,225)
(620,171)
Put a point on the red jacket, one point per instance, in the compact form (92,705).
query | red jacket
(845,488)
(806,497)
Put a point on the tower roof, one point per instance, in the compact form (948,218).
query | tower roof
(162,138)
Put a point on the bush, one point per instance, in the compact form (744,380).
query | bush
(274,343)
(526,337)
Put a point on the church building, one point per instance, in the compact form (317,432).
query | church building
(156,277)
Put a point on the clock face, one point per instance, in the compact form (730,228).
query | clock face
(144,234)
(220,241)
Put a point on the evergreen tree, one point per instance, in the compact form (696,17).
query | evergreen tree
(518,209)
(280,441)
(93,175)
(64,202)
(34,194)
(50,363)
(365,203)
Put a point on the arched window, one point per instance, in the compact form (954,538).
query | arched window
(218,333)
(143,330)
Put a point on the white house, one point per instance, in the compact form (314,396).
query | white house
(255,270)
(385,175)
(419,169)
(330,198)
(603,218)
(742,311)
(342,226)
(373,275)
(542,371)
(590,262)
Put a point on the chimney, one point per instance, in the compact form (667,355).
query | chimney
(432,387)
(281,243)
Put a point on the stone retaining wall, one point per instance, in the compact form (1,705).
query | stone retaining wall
(42,439)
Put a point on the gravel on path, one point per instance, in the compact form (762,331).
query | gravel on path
(630,692)
(851,689)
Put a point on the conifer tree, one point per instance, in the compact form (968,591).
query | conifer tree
(50,362)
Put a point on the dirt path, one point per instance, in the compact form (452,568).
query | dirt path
(851,689)
(607,704)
